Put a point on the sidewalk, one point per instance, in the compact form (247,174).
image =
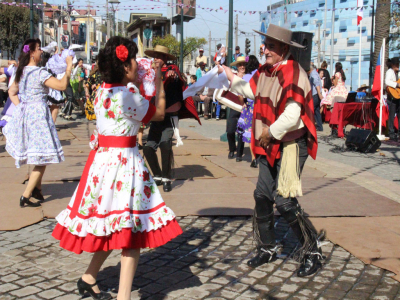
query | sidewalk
(213,198)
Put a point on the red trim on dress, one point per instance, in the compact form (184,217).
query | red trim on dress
(111,85)
(118,212)
(150,113)
(124,239)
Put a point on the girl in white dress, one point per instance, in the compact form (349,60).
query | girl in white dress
(117,205)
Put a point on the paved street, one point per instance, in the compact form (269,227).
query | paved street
(208,261)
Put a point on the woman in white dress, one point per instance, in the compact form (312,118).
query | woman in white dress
(117,205)
(31,134)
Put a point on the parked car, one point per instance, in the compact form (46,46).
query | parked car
(94,51)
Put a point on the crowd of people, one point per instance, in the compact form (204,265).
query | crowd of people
(117,204)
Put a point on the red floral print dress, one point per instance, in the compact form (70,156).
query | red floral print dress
(121,206)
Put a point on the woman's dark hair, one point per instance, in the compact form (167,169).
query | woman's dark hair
(252,64)
(80,59)
(110,66)
(194,77)
(45,58)
(25,58)
(339,68)
(390,63)
(324,65)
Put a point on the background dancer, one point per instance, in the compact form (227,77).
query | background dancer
(233,118)
(161,132)
(284,135)
(31,134)
(246,117)
(117,204)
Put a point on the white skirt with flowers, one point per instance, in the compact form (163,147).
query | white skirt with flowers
(121,207)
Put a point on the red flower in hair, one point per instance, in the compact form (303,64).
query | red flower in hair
(122,53)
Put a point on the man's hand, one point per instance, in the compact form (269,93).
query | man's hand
(172,74)
(265,138)
(12,62)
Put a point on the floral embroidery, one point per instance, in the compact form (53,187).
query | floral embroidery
(107,103)
(119,185)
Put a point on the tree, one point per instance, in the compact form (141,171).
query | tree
(382,27)
(14,27)
(394,27)
(189,44)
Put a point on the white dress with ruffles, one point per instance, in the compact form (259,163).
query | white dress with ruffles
(121,206)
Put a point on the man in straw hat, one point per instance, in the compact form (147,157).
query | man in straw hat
(283,135)
(161,133)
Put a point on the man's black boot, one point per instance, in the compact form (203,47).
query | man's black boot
(310,265)
(263,256)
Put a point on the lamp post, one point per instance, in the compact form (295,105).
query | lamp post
(116,2)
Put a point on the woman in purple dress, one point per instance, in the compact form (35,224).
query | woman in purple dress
(246,118)
(31,134)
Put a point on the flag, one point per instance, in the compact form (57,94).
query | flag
(376,90)
(377,85)
(360,4)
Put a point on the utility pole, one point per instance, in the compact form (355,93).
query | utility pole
(60,30)
(116,23)
(108,21)
(255,47)
(209,47)
(69,21)
(230,39)
(236,30)
(31,17)
(372,44)
(332,34)
(88,34)
(172,14)
(42,37)
(324,40)
(181,52)
(319,45)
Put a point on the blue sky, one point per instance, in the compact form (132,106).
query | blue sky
(205,21)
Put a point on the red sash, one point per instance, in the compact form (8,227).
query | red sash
(104,141)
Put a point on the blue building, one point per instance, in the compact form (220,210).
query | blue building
(308,15)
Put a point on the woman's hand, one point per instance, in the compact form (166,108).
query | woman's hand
(68,60)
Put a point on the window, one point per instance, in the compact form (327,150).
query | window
(305,23)
(293,25)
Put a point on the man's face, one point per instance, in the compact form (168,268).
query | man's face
(274,51)
(160,59)
(237,51)
(396,68)
(201,53)
(202,66)
(192,80)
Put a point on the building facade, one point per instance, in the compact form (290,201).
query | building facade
(310,16)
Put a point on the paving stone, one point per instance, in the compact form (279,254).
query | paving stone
(8,287)
(26,291)
(50,294)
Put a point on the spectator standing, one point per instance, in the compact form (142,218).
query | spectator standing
(262,58)
(219,57)
(391,77)
(201,58)
(327,81)
(316,87)
(201,70)
(237,53)
(3,89)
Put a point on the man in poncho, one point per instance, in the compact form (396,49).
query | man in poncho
(283,135)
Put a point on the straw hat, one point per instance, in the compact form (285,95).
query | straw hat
(280,34)
(240,59)
(363,86)
(160,50)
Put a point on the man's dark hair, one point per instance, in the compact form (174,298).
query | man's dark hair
(110,66)
(194,77)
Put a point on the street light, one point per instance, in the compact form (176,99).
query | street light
(116,2)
